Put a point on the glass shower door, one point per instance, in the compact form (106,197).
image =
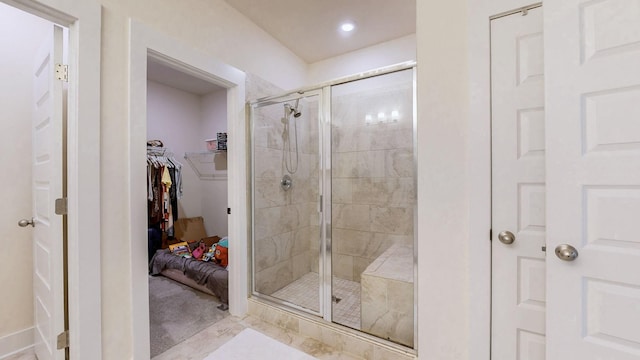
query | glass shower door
(373,196)
(286,217)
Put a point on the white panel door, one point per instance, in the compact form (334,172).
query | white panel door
(518,298)
(593,172)
(47,186)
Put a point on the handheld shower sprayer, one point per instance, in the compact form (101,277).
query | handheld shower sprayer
(286,137)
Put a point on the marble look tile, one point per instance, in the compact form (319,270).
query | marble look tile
(342,190)
(350,139)
(389,137)
(360,243)
(324,340)
(390,325)
(301,239)
(373,191)
(392,220)
(387,295)
(283,330)
(394,264)
(406,240)
(359,164)
(274,249)
(373,297)
(344,165)
(268,163)
(301,264)
(401,297)
(274,278)
(401,191)
(342,266)
(354,217)
(360,264)
(399,163)
(313,239)
(268,193)
(276,220)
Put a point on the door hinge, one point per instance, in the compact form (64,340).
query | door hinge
(62,72)
(63,340)
(321,204)
(490,234)
(61,206)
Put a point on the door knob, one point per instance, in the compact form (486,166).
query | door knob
(566,252)
(506,237)
(25,223)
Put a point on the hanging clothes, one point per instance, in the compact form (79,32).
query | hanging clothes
(164,188)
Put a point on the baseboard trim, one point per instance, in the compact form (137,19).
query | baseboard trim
(14,343)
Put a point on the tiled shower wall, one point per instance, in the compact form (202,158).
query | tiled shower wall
(286,230)
(373,176)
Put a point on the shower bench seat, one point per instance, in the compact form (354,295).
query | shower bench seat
(387,295)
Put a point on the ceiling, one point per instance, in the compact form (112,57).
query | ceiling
(169,76)
(310,28)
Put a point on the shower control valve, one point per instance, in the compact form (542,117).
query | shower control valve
(286,182)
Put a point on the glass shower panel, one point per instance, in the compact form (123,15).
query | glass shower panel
(373,192)
(286,218)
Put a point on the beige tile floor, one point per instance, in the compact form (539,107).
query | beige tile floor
(205,342)
(208,340)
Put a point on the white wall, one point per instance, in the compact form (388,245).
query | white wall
(443,181)
(20,35)
(174,116)
(183,121)
(370,58)
(214,192)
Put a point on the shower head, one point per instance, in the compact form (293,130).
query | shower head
(292,110)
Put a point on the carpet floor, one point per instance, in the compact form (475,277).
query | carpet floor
(177,312)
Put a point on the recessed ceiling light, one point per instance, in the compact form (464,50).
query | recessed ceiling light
(347,27)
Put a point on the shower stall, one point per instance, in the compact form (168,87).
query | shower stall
(333,202)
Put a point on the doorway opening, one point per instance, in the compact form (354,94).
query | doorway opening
(187,211)
(147,48)
(33,177)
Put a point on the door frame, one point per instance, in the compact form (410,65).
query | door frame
(145,42)
(479,155)
(83,19)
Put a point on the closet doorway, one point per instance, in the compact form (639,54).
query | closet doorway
(146,43)
(187,202)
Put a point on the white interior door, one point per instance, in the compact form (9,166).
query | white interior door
(593,172)
(518,188)
(47,187)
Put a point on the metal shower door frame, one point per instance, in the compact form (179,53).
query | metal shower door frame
(252,107)
(324,91)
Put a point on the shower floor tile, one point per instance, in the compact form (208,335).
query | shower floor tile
(304,292)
